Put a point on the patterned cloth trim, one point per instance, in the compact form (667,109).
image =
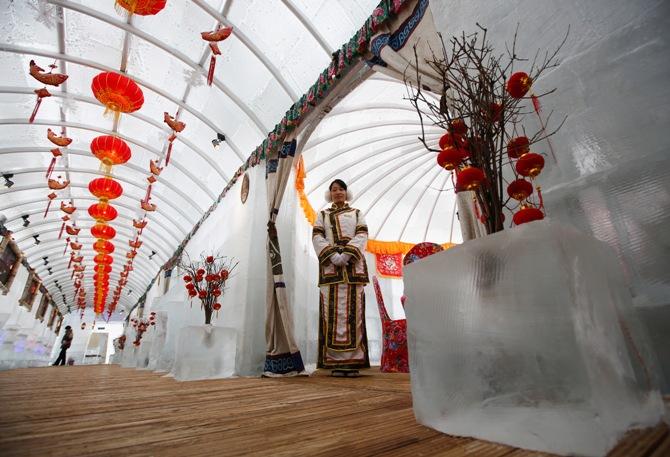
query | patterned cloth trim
(284,363)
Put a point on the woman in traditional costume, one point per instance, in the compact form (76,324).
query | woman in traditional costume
(339,237)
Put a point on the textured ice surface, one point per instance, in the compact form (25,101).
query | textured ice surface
(527,337)
(204,352)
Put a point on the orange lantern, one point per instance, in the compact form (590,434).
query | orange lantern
(518,84)
(141,7)
(530,164)
(102,212)
(102,268)
(517,147)
(103,231)
(103,247)
(105,189)
(117,92)
(527,214)
(519,189)
(110,150)
(104,259)
(469,178)
(451,157)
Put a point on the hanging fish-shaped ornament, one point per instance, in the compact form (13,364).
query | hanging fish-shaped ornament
(220,34)
(50,78)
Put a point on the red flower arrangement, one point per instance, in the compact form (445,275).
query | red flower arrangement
(141,326)
(206,280)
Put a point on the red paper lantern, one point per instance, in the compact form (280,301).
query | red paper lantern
(103,259)
(458,127)
(469,178)
(530,164)
(102,268)
(110,150)
(519,189)
(103,231)
(142,7)
(216,306)
(449,139)
(105,189)
(527,214)
(517,147)
(519,84)
(117,92)
(451,157)
(103,247)
(102,212)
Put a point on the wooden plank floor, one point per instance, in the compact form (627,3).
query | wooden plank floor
(107,410)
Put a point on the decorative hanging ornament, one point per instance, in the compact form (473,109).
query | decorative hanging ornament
(110,150)
(67,209)
(517,147)
(103,259)
(146,206)
(103,231)
(54,184)
(154,168)
(61,141)
(103,247)
(450,139)
(451,157)
(102,212)
(177,127)
(530,165)
(220,34)
(105,189)
(527,214)
(55,152)
(519,189)
(140,225)
(519,84)
(140,7)
(458,127)
(469,178)
(135,244)
(51,196)
(62,226)
(50,78)
(117,92)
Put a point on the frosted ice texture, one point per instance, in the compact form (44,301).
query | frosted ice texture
(205,352)
(526,337)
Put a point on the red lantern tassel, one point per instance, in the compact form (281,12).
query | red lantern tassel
(62,227)
(47,210)
(210,75)
(67,242)
(146,197)
(37,107)
(169,151)
(538,110)
(69,264)
(539,195)
(51,167)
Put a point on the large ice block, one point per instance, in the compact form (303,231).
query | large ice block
(528,338)
(205,352)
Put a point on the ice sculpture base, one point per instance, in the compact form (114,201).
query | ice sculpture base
(205,352)
(526,338)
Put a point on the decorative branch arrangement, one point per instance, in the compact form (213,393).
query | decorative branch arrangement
(206,279)
(482,107)
(141,326)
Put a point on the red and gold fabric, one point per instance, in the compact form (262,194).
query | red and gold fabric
(389,265)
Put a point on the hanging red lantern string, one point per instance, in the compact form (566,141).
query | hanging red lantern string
(526,214)
(103,247)
(219,34)
(110,150)
(177,127)
(103,231)
(519,189)
(118,93)
(469,178)
(50,78)
(530,164)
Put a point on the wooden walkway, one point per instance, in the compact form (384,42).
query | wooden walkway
(107,410)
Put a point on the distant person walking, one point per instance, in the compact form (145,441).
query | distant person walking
(64,345)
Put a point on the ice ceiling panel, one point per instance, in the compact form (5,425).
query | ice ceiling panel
(92,39)
(30,25)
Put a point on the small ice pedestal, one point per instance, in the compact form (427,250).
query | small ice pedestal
(527,337)
(205,352)
(129,359)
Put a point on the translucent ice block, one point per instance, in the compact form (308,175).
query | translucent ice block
(205,352)
(527,337)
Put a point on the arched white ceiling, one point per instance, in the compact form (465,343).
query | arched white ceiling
(276,51)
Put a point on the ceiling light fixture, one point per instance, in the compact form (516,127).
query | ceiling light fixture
(37,241)
(8,182)
(26,222)
(153,253)
(216,142)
